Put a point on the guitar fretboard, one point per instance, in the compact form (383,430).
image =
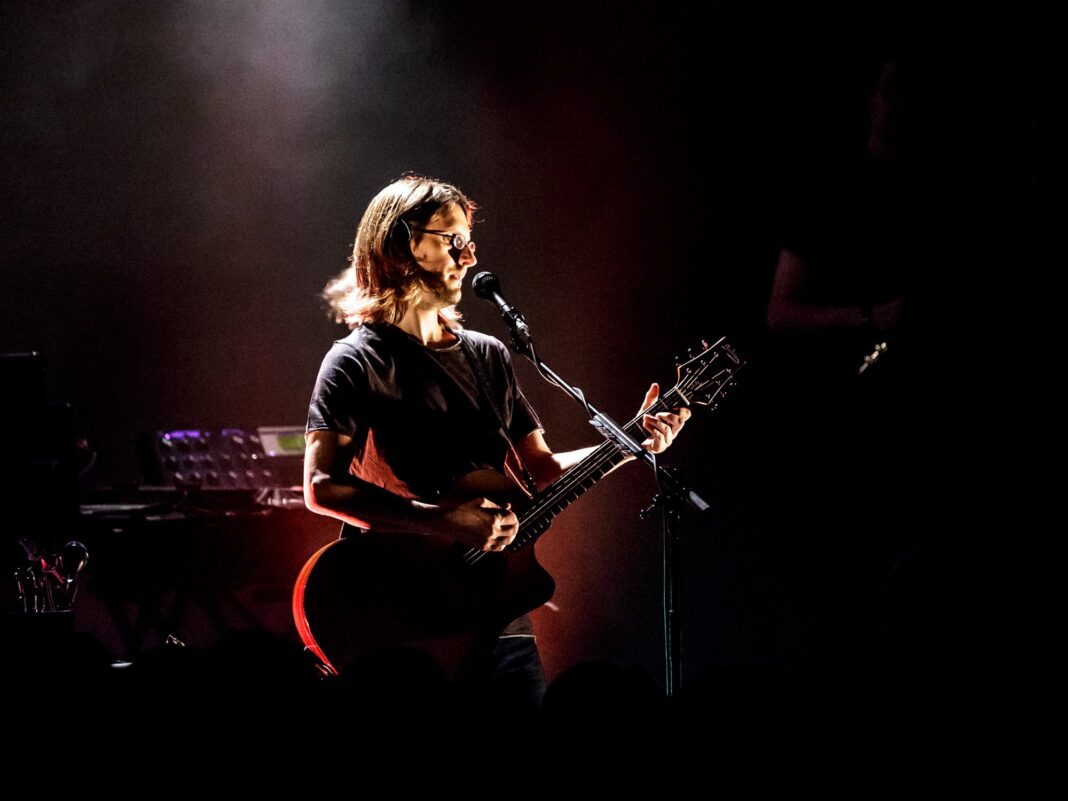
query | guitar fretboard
(702,380)
(538,516)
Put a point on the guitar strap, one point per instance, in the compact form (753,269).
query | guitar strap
(483,387)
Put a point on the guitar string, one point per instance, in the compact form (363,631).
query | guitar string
(594,463)
(577,476)
(591,465)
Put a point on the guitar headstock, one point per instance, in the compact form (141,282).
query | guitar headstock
(707,372)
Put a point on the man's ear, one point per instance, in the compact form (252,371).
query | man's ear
(401,236)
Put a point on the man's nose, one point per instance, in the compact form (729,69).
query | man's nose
(467,257)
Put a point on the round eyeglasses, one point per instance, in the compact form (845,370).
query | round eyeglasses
(456,241)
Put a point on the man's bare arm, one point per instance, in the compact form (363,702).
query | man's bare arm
(546,466)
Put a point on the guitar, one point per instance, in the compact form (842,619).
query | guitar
(368,592)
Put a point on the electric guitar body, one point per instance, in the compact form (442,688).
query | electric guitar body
(368,592)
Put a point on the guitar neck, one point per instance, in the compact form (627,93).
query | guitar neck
(538,515)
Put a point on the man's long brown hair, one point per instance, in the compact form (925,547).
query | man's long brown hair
(383,279)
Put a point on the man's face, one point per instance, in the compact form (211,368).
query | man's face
(444,266)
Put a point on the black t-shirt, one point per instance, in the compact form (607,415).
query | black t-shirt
(418,418)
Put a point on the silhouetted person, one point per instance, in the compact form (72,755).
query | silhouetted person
(854,241)
(913,467)
(859,241)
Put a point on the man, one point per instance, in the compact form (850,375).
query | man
(408,404)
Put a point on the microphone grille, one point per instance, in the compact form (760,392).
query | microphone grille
(485,284)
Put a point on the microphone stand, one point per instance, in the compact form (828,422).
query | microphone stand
(672,494)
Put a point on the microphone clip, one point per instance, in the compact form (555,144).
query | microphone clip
(487,286)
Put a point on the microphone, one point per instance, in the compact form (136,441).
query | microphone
(71,560)
(488,287)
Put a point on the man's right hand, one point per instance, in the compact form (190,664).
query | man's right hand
(481,523)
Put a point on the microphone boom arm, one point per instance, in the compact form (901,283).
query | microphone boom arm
(487,286)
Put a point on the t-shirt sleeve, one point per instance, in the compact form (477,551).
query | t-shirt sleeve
(340,393)
(524,419)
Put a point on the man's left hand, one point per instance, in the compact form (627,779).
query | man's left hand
(663,427)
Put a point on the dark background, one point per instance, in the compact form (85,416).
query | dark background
(181,179)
